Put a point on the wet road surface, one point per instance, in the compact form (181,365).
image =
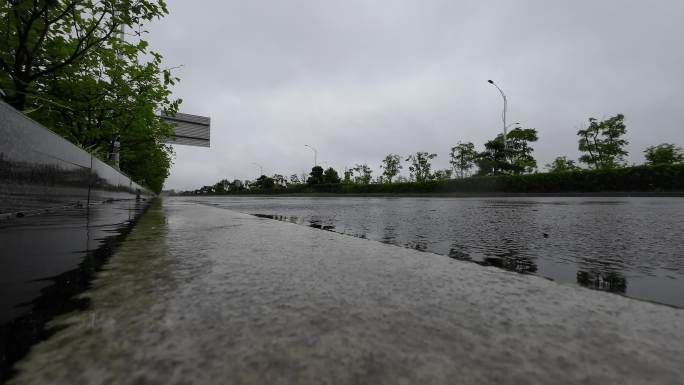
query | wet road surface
(204,295)
(628,245)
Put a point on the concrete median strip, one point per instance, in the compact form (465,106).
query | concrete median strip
(203,295)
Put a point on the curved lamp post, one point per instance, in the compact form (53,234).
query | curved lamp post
(503,115)
(315,153)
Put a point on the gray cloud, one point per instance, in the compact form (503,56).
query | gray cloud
(360,79)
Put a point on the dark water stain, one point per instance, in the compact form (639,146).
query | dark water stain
(20,333)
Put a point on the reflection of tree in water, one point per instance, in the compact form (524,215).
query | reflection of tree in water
(458,251)
(389,234)
(314,222)
(502,231)
(603,273)
(512,258)
(279,218)
(317,223)
(608,280)
(419,245)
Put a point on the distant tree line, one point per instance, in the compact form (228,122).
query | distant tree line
(602,147)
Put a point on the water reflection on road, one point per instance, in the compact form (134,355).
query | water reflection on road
(46,260)
(631,246)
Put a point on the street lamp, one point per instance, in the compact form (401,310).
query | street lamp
(513,124)
(261,169)
(503,115)
(315,153)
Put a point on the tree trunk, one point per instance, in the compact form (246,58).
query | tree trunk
(18,98)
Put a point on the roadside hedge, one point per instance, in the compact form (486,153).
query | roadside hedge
(660,178)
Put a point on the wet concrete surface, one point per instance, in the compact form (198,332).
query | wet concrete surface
(203,295)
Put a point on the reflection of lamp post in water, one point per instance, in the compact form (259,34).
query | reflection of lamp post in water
(315,154)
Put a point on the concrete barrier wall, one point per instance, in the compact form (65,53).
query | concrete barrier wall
(40,170)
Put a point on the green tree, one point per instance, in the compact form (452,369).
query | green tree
(390,166)
(493,160)
(42,38)
(519,150)
(364,174)
(279,180)
(237,185)
(420,166)
(562,164)
(264,183)
(462,158)
(331,176)
(316,175)
(666,153)
(443,174)
(515,158)
(294,179)
(205,190)
(147,162)
(221,186)
(114,99)
(348,173)
(602,142)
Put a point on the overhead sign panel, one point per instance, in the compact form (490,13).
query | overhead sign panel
(191,130)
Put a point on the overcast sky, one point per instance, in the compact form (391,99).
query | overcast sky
(361,79)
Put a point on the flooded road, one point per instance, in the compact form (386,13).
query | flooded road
(631,246)
(204,295)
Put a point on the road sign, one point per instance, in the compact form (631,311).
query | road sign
(191,130)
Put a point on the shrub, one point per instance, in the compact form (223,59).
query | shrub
(658,178)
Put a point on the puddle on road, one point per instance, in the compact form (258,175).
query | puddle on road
(49,260)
